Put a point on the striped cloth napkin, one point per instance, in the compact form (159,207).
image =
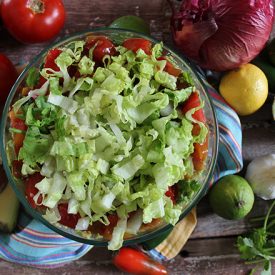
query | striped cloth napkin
(34,244)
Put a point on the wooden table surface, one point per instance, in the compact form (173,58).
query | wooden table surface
(211,248)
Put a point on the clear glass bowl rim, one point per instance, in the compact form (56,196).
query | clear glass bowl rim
(35,214)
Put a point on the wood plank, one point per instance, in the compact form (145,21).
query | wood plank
(257,141)
(205,251)
(209,256)
(202,256)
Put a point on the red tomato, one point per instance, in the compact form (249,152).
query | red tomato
(172,193)
(31,190)
(169,67)
(134,44)
(50,63)
(69,220)
(135,262)
(8,75)
(200,150)
(50,59)
(33,21)
(196,129)
(16,122)
(192,102)
(103,46)
(18,138)
(200,154)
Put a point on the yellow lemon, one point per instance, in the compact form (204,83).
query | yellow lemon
(245,89)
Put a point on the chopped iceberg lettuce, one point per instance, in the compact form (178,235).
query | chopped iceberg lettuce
(108,138)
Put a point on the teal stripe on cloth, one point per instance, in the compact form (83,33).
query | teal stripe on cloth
(34,244)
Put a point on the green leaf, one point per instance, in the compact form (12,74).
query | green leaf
(186,190)
(86,65)
(33,77)
(166,79)
(267,268)
(246,248)
(35,147)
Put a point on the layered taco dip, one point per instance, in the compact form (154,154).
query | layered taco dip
(108,139)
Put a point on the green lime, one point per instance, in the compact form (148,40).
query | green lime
(131,22)
(232,197)
(271,51)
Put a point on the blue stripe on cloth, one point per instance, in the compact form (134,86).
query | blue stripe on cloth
(156,255)
(35,245)
(230,139)
(35,234)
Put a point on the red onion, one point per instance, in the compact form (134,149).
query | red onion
(222,34)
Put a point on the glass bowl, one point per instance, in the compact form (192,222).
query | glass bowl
(118,36)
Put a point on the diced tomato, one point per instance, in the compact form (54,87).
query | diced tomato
(19,124)
(69,220)
(192,102)
(135,262)
(103,46)
(200,150)
(50,59)
(134,44)
(18,140)
(77,75)
(50,63)
(196,129)
(31,190)
(170,68)
(16,168)
(172,193)
(200,154)
(41,81)
(16,122)
(107,231)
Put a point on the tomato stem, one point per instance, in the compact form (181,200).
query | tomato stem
(37,6)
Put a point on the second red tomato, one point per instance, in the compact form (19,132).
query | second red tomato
(8,75)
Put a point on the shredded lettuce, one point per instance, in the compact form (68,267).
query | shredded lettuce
(52,215)
(82,224)
(67,104)
(154,210)
(32,94)
(35,147)
(109,139)
(54,193)
(118,233)
(135,222)
(128,170)
(33,77)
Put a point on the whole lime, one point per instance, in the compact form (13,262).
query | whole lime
(131,22)
(232,197)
